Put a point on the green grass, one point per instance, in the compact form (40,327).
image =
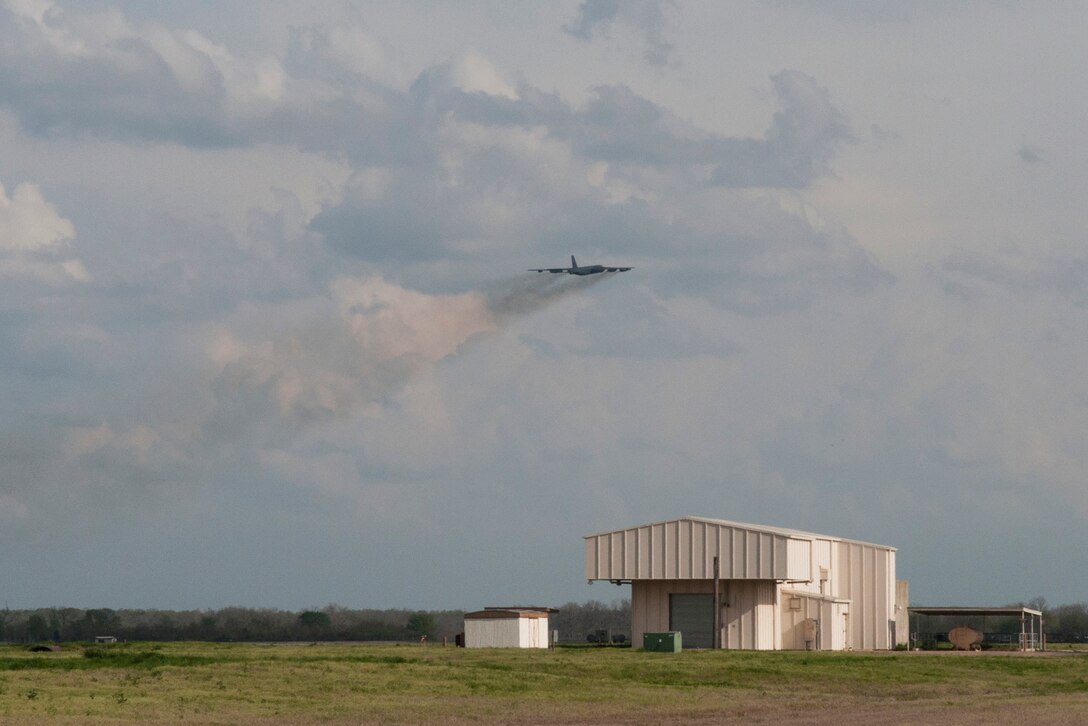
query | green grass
(204,683)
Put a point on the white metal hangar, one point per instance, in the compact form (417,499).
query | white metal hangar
(777,589)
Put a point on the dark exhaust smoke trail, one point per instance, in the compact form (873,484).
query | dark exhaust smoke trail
(526,294)
(384,336)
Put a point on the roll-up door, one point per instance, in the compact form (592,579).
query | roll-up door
(693,616)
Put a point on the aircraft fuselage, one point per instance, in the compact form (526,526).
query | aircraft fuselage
(580,270)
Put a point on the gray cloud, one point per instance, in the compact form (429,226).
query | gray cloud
(35,239)
(774,259)
(592,14)
(646,17)
(157,84)
(1015,270)
(1031,154)
(302,395)
(869,12)
(122,87)
(798,146)
(72,75)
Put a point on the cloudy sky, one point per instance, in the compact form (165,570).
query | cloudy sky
(267,337)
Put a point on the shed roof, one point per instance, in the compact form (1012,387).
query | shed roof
(782,531)
(508,613)
(956,610)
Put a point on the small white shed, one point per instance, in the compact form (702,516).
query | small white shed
(507,627)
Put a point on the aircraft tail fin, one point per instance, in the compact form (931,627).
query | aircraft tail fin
(573,262)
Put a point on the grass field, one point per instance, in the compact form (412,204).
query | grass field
(205,683)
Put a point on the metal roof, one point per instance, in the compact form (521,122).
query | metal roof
(783,531)
(505,613)
(956,610)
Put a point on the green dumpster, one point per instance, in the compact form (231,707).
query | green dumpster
(669,642)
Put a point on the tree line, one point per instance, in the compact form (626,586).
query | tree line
(333,622)
(574,621)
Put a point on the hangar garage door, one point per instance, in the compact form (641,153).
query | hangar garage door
(693,616)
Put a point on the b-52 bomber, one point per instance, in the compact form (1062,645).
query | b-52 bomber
(575,269)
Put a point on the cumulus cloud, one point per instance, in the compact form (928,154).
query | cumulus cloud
(597,18)
(467,168)
(98,73)
(616,125)
(146,81)
(474,73)
(530,171)
(798,147)
(33,238)
(73,73)
(28,223)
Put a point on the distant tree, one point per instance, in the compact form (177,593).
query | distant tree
(65,620)
(102,621)
(420,624)
(1068,623)
(37,628)
(314,620)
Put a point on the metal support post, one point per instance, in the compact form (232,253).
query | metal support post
(717,606)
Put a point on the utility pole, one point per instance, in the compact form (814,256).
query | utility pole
(717,606)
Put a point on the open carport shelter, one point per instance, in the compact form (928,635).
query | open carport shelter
(1030,636)
(734,585)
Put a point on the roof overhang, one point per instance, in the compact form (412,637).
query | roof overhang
(500,613)
(769,529)
(786,592)
(1005,611)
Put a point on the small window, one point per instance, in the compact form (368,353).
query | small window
(795,603)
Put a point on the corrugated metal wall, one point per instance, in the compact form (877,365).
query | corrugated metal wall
(902,616)
(506,633)
(865,575)
(677,557)
(749,616)
(532,632)
(650,604)
(766,615)
(792,622)
(799,555)
(493,633)
(685,549)
(826,611)
(840,631)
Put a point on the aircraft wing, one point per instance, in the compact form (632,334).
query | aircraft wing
(549,269)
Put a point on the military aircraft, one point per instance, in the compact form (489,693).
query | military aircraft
(574,269)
